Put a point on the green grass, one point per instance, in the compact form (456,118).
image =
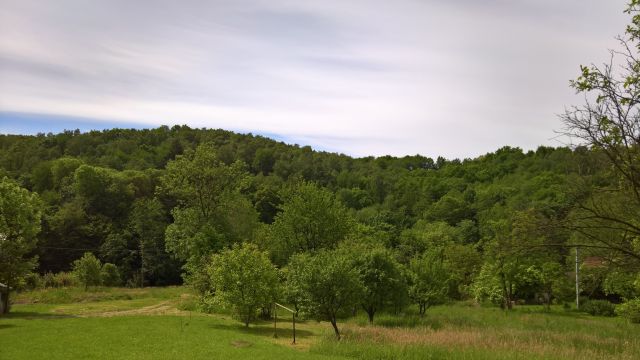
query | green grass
(75,294)
(28,335)
(461,331)
(152,323)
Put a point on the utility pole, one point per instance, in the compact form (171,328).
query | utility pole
(141,263)
(577,278)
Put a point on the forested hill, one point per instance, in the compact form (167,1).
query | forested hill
(116,192)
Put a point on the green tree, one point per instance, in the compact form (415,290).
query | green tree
(293,290)
(311,219)
(502,266)
(554,282)
(382,278)
(211,212)
(88,270)
(609,122)
(199,180)
(429,279)
(148,221)
(331,286)
(515,253)
(19,224)
(243,280)
(110,275)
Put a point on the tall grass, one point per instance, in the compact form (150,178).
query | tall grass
(468,332)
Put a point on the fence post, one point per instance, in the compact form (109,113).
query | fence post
(275,321)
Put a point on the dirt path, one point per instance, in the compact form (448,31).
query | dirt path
(163,308)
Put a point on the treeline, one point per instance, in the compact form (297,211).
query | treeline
(145,200)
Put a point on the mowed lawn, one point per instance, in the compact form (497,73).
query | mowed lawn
(137,324)
(32,336)
(153,324)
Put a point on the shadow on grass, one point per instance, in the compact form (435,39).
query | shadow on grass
(6,326)
(263,330)
(31,315)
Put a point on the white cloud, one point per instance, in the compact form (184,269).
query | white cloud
(361,77)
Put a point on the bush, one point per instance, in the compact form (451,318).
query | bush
(110,275)
(31,281)
(599,308)
(64,279)
(59,280)
(88,270)
(48,280)
(630,310)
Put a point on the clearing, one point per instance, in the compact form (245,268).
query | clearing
(155,323)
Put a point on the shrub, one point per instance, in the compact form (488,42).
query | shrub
(31,281)
(87,270)
(630,310)
(64,279)
(599,308)
(48,280)
(59,280)
(110,275)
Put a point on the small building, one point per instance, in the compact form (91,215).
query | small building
(4,298)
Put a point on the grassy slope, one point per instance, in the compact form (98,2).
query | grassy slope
(146,324)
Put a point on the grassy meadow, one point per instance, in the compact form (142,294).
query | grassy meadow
(156,323)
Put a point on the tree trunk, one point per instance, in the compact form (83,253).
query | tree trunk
(370,312)
(506,293)
(335,327)
(4,303)
(547,300)
(423,309)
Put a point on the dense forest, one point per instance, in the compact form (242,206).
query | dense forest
(153,202)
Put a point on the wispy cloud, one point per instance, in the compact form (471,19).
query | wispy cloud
(362,77)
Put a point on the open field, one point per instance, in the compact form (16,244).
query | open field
(153,324)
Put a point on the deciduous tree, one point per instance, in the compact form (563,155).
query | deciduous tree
(243,280)
(19,224)
(331,286)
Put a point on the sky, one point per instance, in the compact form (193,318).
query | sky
(432,77)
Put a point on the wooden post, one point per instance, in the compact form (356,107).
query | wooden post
(293,316)
(275,321)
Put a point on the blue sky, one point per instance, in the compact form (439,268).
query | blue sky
(436,77)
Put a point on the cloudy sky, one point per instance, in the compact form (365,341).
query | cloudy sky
(435,77)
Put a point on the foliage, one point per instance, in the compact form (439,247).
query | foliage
(330,286)
(147,223)
(293,290)
(630,309)
(110,275)
(609,122)
(598,308)
(59,280)
(210,213)
(88,270)
(428,280)
(20,213)
(382,277)
(622,283)
(311,219)
(243,280)
(487,286)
